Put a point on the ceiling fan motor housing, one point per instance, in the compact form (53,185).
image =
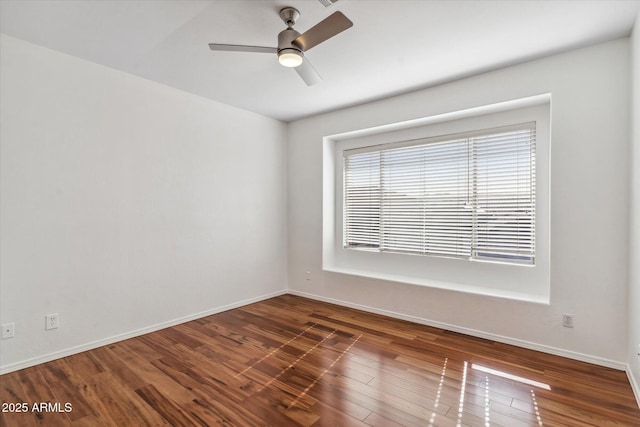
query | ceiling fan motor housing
(285,39)
(286,47)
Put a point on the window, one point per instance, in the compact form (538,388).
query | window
(458,200)
(469,195)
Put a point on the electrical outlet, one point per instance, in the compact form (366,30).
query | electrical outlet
(51,321)
(8,330)
(307,275)
(567,320)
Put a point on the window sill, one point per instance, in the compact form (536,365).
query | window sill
(457,287)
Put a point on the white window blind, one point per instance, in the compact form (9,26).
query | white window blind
(468,195)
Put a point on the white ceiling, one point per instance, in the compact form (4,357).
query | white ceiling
(394,46)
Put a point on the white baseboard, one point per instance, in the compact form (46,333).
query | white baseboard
(621,366)
(634,384)
(507,340)
(120,337)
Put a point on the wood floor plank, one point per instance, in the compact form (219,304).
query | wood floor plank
(65,391)
(291,361)
(171,412)
(13,392)
(40,392)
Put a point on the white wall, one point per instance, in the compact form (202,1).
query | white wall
(127,205)
(634,233)
(589,207)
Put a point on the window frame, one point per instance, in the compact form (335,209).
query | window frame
(522,282)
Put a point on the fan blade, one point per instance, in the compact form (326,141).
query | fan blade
(332,25)
(308,73)
(241,48)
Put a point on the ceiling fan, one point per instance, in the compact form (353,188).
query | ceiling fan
(292,44)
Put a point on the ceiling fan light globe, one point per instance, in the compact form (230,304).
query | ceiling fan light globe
(290,58)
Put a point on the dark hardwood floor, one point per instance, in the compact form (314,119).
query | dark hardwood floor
(290,361)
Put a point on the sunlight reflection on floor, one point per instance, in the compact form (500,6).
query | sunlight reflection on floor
(483,385)
(438,393)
